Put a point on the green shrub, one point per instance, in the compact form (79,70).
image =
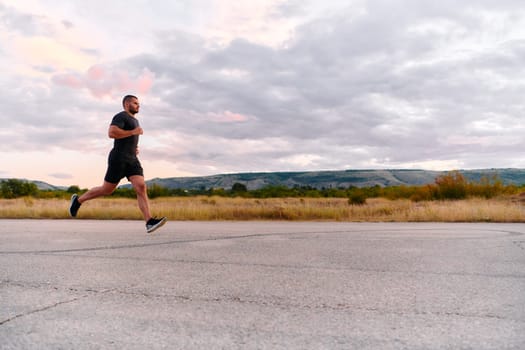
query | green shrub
(452,185)
(357,197)
(14,188)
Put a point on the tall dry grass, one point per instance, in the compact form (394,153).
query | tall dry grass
(509,209)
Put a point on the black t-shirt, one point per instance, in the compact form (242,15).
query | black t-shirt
(126,146)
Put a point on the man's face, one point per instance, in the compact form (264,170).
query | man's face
(133,106)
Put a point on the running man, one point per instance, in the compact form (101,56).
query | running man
(123,162)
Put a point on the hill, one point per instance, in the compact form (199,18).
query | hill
(320,179)
(41,185)
(332,179)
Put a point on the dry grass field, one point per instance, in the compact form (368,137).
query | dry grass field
(504,209)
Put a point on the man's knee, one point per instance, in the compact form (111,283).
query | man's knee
(108,188)
(108,191)
(139,185)
(140,188)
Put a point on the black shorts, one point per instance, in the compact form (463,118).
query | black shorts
(120,166)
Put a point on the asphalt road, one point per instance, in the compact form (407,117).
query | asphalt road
(76,284)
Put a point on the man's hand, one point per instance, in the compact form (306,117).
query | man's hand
(137,131)
(115,132)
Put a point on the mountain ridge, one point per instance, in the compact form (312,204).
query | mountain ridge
(334,178)
(320,179)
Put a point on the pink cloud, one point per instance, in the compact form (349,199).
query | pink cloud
(101,81)
(96,72)
(68,80)
(145,82)
(234,117)
(229,117)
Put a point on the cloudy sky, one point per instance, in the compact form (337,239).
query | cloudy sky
(262,85)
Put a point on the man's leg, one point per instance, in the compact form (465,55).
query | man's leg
(76,201)
(107,188)
(142,195)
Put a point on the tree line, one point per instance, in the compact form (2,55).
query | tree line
(449,186)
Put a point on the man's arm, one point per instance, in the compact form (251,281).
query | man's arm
(115,132)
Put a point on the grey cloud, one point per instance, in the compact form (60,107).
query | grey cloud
(67,24)
(390,84)
(44,69)
(323,84)
(289,9)
(29,24)
(37,117)
(90,51)
(61,176)
(24,23)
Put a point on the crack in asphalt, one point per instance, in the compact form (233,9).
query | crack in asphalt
(48,307)
(150,244)
(256,235)
(288,266)
(89,292)
(519,244)
(281,303)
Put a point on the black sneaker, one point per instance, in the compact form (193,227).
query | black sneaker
(75,205)
(155,223)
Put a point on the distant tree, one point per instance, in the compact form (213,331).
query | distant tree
(14,188)
(357,196)
(452,185)
(179,192)
(487,187)
(156,190)
(73,189)
(219,191)
(238,188)
(125,192)
(273,191)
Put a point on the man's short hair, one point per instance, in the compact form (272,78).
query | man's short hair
(127,98)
